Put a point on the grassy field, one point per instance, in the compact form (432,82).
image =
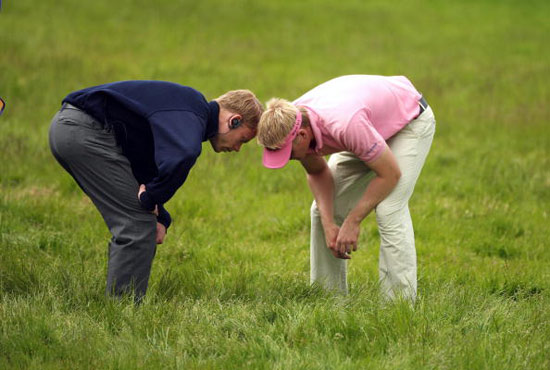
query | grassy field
(229,288)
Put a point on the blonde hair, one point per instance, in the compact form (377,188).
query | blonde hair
(277,122)
(245,103)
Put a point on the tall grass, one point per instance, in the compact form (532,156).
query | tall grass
(229,288)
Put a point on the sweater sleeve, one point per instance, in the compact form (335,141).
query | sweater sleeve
(164,217)
(177,139)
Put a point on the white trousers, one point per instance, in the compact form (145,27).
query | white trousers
(397,264)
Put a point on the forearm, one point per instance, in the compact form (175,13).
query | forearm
(322,187)
(164,217)
(377,190)
(172,175)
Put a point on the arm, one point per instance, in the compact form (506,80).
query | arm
(387,175)
(163,222)
(163,218)
(321,184)
(177,139)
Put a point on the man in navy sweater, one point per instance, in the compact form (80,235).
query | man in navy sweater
(130,145)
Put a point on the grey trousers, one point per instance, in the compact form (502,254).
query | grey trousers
(89,152)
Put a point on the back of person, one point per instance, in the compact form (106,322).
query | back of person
(388,102)
(114,101)
(138,110)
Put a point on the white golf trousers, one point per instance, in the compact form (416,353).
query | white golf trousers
(397,264)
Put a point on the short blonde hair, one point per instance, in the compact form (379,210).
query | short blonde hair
(276,122)
(245,103)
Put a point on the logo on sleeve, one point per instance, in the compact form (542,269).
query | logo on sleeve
(372,148)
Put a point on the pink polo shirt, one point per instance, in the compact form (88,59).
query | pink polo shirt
(359,113)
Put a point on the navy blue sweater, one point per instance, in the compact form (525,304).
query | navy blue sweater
(160,127)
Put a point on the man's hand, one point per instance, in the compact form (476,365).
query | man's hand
(346,242)
(161,233)
(142,188)
(331,235)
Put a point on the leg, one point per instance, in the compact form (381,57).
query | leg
(326,270)
(351,177)
(397,266)
(90,154)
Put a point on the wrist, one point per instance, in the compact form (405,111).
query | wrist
(353,219)
(327,221)
(146,201)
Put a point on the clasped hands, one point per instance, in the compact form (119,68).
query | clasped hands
(342,240)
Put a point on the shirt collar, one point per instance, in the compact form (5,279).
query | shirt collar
(314,122)
(212,125)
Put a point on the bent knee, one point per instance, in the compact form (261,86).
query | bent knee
(387,209)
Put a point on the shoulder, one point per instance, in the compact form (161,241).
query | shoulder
(163,96)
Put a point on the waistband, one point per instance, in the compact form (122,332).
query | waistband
(82,117)
(69,106)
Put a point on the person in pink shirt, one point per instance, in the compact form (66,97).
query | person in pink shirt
(379,131)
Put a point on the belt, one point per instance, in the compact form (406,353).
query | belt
(423,105)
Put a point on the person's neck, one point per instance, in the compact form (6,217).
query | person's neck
(312,142)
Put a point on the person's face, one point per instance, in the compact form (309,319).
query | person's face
(231,140)
(300,145)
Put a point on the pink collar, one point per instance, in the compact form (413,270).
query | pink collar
(314,120)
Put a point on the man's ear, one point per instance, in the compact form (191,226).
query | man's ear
(235,121)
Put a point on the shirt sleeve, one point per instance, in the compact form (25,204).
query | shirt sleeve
(361,138)
(177,137)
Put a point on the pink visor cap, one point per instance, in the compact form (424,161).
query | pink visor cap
(278,158)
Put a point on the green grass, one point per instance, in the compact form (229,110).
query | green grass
(229,288)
